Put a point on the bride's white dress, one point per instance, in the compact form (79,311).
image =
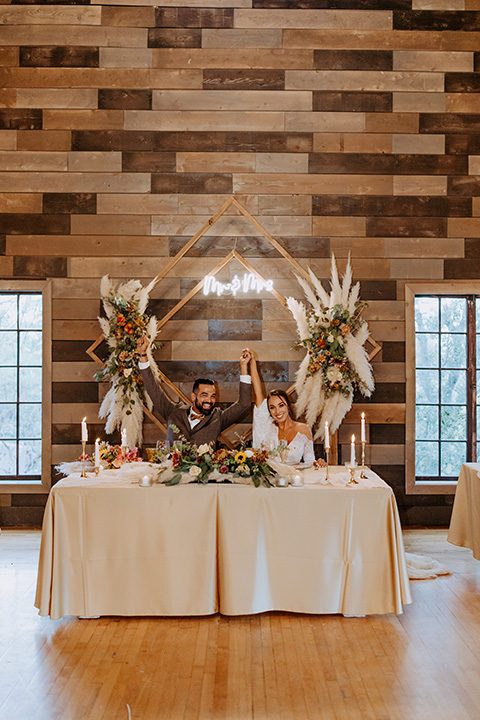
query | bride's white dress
(265,433)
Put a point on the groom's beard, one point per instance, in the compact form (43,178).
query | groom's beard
(204,408)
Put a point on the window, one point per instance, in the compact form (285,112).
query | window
(443,365)
(23,395)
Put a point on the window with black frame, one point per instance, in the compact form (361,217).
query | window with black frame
(21,385)
(447,367)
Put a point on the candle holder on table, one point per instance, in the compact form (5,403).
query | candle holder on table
(327,453)
(83,473)
(364,467)
(352,469)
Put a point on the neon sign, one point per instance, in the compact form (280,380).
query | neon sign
(247,283)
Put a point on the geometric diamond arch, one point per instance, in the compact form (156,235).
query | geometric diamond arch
(232,255)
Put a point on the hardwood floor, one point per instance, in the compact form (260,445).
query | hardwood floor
(422,665)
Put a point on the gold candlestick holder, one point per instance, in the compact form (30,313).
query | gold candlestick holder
(362,474)
(327,453)
(352,480)
(96,470)
(83,473)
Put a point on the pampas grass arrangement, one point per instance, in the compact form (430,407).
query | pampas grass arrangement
(336,364)
(125,322)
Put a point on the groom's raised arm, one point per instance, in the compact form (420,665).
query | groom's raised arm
(160,401)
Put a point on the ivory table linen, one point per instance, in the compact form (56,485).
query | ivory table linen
(112,548)
(464,529)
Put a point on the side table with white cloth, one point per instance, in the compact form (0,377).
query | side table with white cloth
(112,548)
(464,529)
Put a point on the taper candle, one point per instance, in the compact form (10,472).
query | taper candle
(84,430)
(362,428)
(97,452)
(352,452)
(124,438)
(327,437)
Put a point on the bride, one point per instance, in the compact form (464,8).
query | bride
(274,422)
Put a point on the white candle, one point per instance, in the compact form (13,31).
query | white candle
(84,430)
(362,437)
(352,452)
(327,438)
(97,452)
(124,438)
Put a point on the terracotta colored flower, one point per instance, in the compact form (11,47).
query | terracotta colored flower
(129,328)
(123,356)
(345,329)
(321,342)
(335,322)
(121,319)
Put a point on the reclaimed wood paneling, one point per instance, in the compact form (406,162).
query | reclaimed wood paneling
(59,57)
(231,99)
(241,141)
(21,203)
(45,140)
(342,126)
(272,59)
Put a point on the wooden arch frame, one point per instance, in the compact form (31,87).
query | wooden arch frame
(233,254)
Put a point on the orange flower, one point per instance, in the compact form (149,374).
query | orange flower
(121,319)
(345,330)
(335,322)
(128,329)
(176,458)
(321,342)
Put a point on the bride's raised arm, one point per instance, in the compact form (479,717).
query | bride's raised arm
(257,384)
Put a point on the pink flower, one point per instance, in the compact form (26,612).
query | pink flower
(223,468)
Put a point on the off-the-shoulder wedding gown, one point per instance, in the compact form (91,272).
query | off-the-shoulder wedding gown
(265,434)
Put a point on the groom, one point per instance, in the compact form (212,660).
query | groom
(201,422)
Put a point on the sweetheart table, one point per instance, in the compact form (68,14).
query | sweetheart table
(116,548)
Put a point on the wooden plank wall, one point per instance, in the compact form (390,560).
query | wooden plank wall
(342,125)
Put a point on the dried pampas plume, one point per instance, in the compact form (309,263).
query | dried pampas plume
(315,396)
(119,413)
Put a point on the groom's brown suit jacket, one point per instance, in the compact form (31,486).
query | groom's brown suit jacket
(209,427)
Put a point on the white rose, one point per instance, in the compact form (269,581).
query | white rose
(203,449)
(334,374)
(249,453)
(195,470)
(127,372)
(330,338)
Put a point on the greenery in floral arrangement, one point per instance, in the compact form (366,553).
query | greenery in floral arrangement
(200,462)
(126,322)
(326,347)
